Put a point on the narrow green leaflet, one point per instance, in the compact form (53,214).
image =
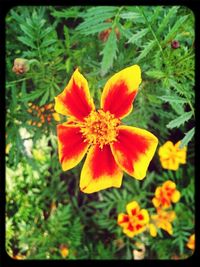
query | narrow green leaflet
(175,28)
(136,37)
(172,99)
(180,120)
(109,53)
(130,15)
(156,74)
(146,49)
(187,138)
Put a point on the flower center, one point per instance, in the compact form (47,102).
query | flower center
(100,128)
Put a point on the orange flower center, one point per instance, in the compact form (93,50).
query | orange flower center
(100,128)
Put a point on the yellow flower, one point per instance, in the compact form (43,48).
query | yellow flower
(171,155)
(64,251)
(135,222)
(166,194)
(162,220)
(191,242)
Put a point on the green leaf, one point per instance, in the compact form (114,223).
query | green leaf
(179,23)
(130,15)
(94,11)
(135,38)
(187,138)
(156,74)
(44,98)
(95,28)
(172,99)
(109,53)
(146,49)
(27,41)
(27,30)
(48,42)
(180,120)
(165,22)
(33,95)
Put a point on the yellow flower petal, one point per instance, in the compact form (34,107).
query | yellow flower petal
(176,196)
(152,230)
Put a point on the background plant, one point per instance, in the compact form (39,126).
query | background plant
(45,208)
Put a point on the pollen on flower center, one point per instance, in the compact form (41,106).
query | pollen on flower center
(100,128)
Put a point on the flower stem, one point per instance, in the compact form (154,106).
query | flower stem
(152,31)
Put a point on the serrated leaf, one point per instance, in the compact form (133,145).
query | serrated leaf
(48,42)
(130,15)
(109,53)
(179,23)
(187,138)
(147,48)
(172,99)
(93,21)
(166,19)
(27,30)
(26,41)
(180,120)
(31,96)
(93,11)
(156,74)
(96,28)
(135,38)
(44,98)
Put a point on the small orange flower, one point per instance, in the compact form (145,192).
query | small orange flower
(191,242)
(110,146)
(171,155)
(64,251)
(45,114)
(135,222)
(166,194)
(162,220)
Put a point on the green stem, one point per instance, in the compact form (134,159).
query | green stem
(152,31)
(116,19)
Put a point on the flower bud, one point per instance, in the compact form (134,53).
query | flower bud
(175,44)
(64,251)
(21,66)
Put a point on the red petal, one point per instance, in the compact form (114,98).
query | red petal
(100,170)
(71,148)
(134,150)
(120,91)
(75,100)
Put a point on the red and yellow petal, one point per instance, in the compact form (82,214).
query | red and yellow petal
(132,208)
(120,91)
(123,220)
(134,150)
(71,145)
(143,216)
(100,170)
(175,196)
(75,100)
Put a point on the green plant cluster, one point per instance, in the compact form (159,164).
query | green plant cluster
(44,207)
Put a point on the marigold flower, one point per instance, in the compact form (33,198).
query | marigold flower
(191,242)
(135,222)
(42,114)
(112,147)
(171,155)
(64,251)
(21,65)
(166,194)
(162,220)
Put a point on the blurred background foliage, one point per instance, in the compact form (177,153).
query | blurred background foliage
(47,217)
